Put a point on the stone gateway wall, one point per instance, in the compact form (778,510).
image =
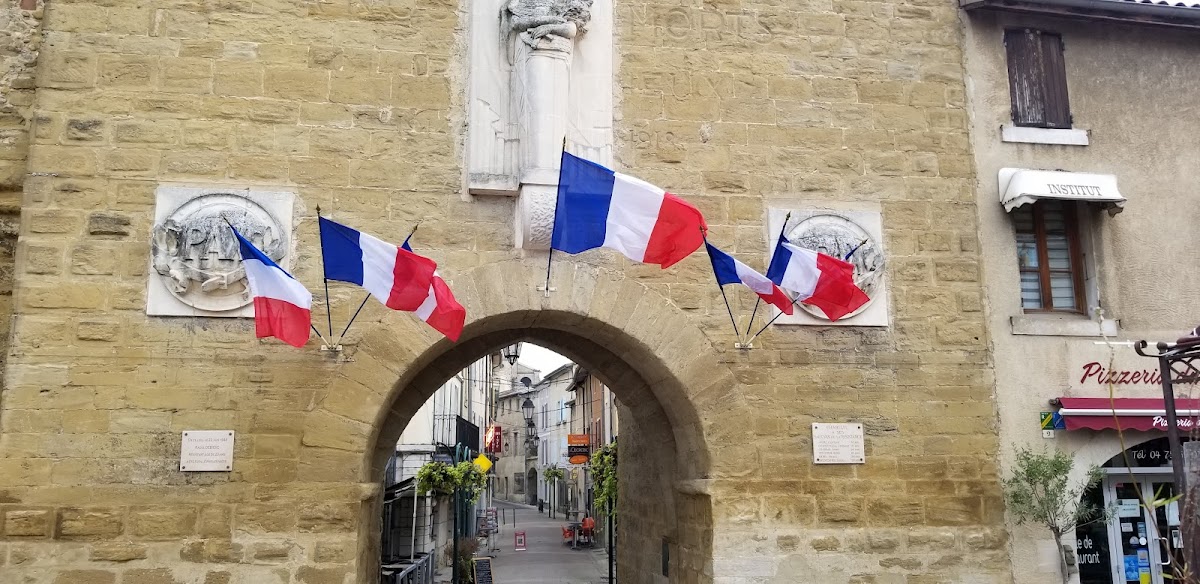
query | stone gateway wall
(356,106)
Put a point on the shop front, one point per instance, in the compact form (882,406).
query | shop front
(1139,540)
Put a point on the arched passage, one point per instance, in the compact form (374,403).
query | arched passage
(658,364)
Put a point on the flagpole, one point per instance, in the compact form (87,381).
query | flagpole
(328,308)
(557,200)
(760,331)
(368,296)
(722,289)
(782,230)
(310,324)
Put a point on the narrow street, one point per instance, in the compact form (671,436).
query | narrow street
(546,560)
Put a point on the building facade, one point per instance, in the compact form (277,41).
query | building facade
(516,466)
(129,121)
(1079,122)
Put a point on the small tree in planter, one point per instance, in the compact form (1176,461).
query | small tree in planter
(1036,492)
(552,474)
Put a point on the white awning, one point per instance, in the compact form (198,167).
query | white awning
(1022,186)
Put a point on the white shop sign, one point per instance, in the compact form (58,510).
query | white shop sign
(838,444)
(206,450)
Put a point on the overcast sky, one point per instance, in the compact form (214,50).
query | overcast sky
(541,358)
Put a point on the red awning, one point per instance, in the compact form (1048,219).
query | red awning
(1127,413)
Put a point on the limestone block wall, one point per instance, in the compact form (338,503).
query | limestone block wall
(357,107)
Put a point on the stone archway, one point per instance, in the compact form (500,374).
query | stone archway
(659,365)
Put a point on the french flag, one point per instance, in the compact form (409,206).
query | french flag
(398,278)
(282,306)
(440,310)
(817,279)
(601,208)
(731,271)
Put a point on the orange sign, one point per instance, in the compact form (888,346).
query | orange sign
(579,448)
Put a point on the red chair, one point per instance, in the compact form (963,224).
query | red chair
(568,536)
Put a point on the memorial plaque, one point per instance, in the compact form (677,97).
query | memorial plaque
(838,444)
(206,451)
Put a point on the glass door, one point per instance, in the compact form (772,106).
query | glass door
(1143,541)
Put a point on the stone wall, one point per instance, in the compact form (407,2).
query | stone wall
(19,46)
(356,107)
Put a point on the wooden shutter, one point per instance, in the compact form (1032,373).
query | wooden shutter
(1054,76)
(1037,79)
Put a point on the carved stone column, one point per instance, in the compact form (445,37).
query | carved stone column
(536,80)
(544,68)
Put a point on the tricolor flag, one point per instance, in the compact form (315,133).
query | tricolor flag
(601,208)
(820,280)
(731,271)
(440,310)
(282,306)
(398,278)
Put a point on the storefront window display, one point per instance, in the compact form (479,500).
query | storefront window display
(1136,544)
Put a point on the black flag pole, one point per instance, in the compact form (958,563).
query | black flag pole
(368,296)
(328,307)
(782,230)
(557,200)
(732,320)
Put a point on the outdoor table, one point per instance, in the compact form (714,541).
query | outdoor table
(574,526)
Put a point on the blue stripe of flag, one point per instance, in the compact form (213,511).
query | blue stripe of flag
(250,252)
(723,265)
(584,196)
(779,261)
(341,252)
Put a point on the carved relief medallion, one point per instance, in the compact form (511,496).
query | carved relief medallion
(195,257)
(838,236)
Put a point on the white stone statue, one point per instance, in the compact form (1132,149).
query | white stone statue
(541,18)
(536,81)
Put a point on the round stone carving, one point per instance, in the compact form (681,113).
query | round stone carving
(837,236)
(197,256)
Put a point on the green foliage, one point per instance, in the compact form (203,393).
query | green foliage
(443,479)
(437,477)
(470,479)
(1038,492)
(552,473)
(604,477)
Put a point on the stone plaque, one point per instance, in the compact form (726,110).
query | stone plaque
(195,265)
(854,234)
(206,450)
(838,444)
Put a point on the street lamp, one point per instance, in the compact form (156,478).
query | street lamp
(527,409)
(512,353)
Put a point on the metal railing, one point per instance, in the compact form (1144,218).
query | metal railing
(420,571)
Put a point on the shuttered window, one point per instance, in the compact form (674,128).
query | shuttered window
(1037,79)
(1048,254)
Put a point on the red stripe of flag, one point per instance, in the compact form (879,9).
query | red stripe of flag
(835,294)
(678,232)
(412,277)
(448,316)
(282,320)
